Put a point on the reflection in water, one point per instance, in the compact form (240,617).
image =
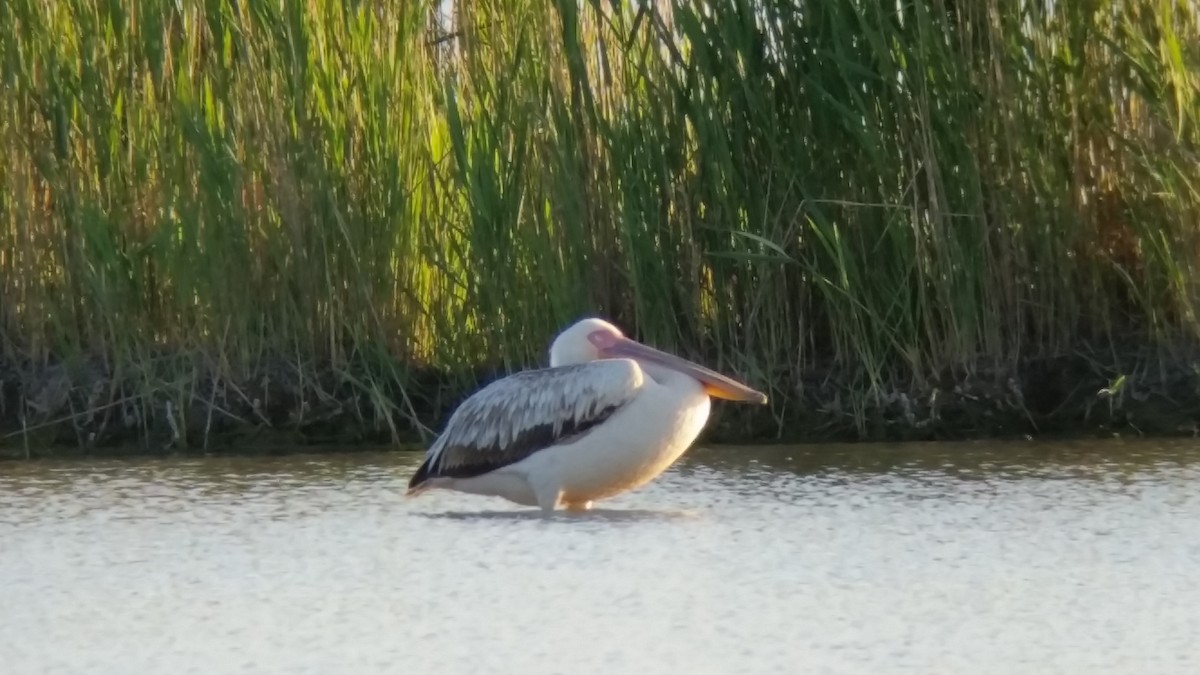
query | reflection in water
(1007,558)
(594,515)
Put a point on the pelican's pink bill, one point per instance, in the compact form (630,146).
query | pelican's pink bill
(715,384)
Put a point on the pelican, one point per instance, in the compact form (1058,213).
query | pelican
(609,415)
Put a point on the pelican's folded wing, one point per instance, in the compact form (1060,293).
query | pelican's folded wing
(514,417)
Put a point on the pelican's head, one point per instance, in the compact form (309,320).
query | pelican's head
(593,339)
(576,344)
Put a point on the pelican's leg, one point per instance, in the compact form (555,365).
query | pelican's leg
(548,496)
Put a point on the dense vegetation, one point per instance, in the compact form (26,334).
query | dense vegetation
(901,219)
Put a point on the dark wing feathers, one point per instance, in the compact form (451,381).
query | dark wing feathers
(514,417)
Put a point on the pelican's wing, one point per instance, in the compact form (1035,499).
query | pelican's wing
(514,417)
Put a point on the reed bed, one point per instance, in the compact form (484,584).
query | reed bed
(336,218)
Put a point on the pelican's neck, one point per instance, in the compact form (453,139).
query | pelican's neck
(671,379)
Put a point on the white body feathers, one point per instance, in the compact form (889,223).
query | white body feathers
(567,436)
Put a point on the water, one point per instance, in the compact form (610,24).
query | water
(1071,558)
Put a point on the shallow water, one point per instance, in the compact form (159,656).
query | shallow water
(946,558)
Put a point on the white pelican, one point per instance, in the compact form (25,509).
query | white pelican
(608,415)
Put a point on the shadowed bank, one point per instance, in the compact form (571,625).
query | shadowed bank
(329,223)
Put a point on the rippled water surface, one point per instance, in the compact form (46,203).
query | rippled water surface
(947,558)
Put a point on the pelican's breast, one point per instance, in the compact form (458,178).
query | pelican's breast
(632,447)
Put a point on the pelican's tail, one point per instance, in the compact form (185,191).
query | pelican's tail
(420,481)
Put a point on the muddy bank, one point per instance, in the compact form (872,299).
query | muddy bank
(186,404)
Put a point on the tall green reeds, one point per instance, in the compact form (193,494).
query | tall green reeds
(212,203)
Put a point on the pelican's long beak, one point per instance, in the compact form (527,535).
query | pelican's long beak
(714,383)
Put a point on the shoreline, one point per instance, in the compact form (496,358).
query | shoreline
(86,409)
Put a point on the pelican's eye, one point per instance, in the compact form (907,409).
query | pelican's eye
(602,339)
